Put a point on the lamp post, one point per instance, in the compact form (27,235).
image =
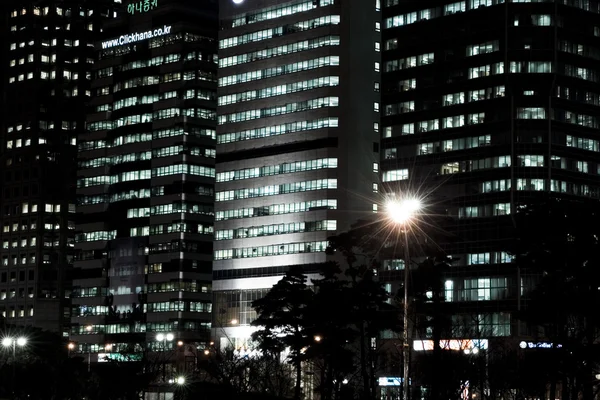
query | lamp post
(164,338)
(402,213)
(14,342)
(89,329)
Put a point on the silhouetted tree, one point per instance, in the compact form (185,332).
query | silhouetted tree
(559,241)
(281,318)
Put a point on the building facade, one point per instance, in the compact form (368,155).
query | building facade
(47,61)
(145,183)
(499,111)
(297,142)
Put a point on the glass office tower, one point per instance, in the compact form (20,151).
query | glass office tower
(297,142)
(146,183)
(499,110)
(47,52)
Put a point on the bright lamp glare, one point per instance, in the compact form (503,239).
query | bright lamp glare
(160,337)
(21,341)
(401,211)
(180,380)
(238,1)
(6,342)
(170,336)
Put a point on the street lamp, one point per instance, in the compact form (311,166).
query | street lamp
(89,329)
(14,342)
(402,212)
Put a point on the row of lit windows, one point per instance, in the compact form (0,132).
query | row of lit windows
(277,31)
(583,143)
(129,176)
(278,90)
(24,260)
(429,13)
(408,62)
(12,294)
(276,229)
(577,94)
(44,58)
(272,190)
(277,209)
(285,168)
(12,313)
(182,207)
(27,142)
(525,184)
(25,226)
(156,79)
(487,210)
(331,40)
(272,250)
(47,10)
(145,137)
(45,75)
(446,145)
(167,326)
(274,12)
(575,189)
(154,61)
(144,118)
(588,74)
(23,243)
(95,236)
(279,110)
(394,175)
(455,121)
(180,305)
(197,170)
(474,95)
(280,70)
(275,130)
(181,227)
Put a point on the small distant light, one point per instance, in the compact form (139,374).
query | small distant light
(234,321)
(206,352)
(71,346)
(180,343)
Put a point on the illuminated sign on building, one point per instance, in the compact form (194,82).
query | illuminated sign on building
(136,37)
(142,6)
(391,381)
(106,357)
(453,344)
(538,345)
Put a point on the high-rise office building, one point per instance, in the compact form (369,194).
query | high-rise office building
(297,142)
(47,60)
(146,182)
(490,104)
